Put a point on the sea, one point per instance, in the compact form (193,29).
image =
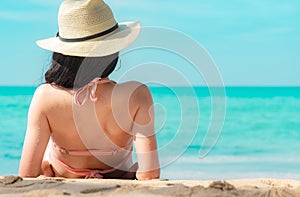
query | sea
(249,132)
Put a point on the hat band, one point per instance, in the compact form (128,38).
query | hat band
(89,37)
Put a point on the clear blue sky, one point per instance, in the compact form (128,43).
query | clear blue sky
(254,42)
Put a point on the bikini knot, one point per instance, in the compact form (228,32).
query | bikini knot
(89,90)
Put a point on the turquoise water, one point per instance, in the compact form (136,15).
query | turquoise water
(260,136)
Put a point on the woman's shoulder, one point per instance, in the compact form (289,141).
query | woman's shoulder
(46,92)
(42,90)
(40,98)
(131,84)
(137,90)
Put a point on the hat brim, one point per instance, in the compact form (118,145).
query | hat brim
(103,46)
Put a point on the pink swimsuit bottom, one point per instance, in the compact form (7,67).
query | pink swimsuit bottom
(80,98)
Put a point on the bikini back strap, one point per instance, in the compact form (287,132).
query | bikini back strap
(90,152)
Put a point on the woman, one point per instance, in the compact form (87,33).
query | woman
(81,124)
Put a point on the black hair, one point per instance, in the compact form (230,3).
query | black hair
(74,72)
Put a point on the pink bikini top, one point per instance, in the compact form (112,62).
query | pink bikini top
(89,90)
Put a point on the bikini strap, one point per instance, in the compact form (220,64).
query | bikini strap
(89,152)
(89,90)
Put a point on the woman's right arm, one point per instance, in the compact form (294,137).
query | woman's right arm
(144,136)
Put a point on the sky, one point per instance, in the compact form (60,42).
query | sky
(252,42)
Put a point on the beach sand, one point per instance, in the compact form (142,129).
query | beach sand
(14,186)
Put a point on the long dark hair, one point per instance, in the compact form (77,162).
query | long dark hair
(74,72)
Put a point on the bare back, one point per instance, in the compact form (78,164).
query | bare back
(115,110)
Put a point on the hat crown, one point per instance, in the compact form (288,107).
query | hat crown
(82,18)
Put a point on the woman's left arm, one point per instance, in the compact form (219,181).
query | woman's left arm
(37,136)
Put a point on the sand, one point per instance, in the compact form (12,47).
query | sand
(42,186)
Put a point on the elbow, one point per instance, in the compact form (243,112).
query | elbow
(146,176)
(28,174)
(29,170)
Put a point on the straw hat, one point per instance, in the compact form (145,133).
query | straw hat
(87,28)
